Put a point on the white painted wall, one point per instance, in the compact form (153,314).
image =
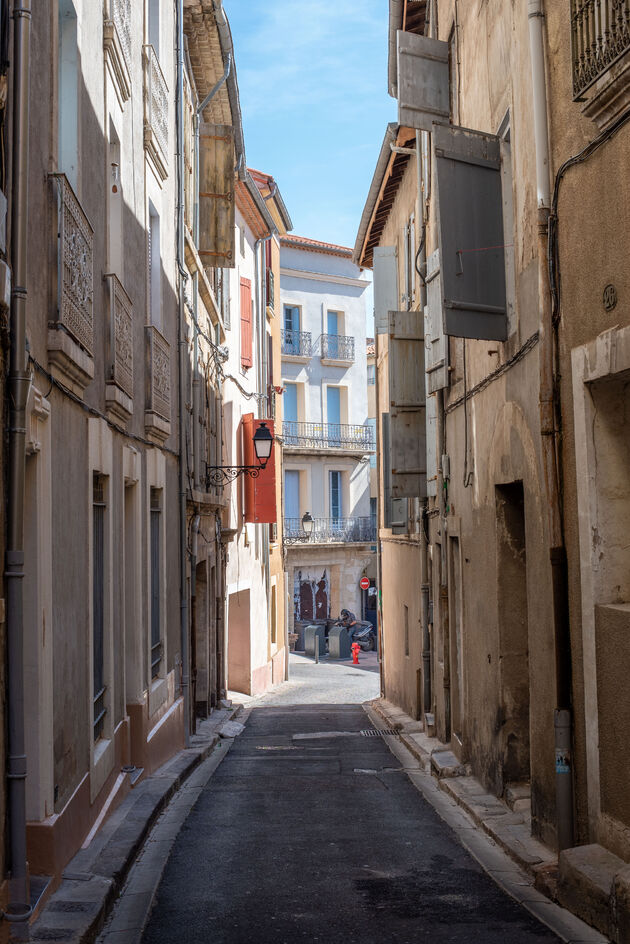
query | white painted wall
(317,282)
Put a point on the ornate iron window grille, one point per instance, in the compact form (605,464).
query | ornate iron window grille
(337,347)
(600,34)
(328,436)
(296,343)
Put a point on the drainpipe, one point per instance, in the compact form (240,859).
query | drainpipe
(182,349)
(19,381)
(424,546)
(549,415)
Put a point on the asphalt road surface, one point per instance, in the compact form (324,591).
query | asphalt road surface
(310,831)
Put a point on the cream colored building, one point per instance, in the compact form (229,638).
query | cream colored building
(327,440)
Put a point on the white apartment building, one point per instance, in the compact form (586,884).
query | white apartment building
(327,440)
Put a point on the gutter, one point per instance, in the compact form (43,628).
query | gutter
(550,422)
(227,49)
(19,382)
(258,199)
(375,188)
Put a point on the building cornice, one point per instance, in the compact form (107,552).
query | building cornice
(322,277)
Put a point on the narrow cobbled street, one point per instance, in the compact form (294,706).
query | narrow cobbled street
(311,829)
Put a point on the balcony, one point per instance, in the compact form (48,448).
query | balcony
(119,352)
(296,344)
(157,409)
(117,45)
(271,292)
(332,531)
(155,112)
(600,34)
(337,350)
(328,436)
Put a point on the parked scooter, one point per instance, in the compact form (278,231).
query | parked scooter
(361,631)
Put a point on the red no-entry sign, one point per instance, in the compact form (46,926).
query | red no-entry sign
(364,583)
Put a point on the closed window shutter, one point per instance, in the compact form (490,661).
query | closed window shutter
(470,223)
(385,279)
(246,323)
(407,400)
(436,346)
(423,81)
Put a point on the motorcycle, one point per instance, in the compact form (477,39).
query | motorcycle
(362,632)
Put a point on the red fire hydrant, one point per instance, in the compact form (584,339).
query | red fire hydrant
(355,653)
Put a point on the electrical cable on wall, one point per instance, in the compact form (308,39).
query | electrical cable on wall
(553,255)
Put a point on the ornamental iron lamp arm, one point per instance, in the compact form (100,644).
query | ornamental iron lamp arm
(217,475)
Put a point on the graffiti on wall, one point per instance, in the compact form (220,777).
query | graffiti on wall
(311,596)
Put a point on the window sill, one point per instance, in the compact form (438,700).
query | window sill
(69,363)
(609,95)
(296,358)
(102,765)
(119,406)
(337,361)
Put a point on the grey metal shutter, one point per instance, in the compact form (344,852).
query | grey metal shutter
(400,515)
(436,345)
(407,404)
(432,446)
(385,277)
(470,223)
(387,471)
(156,641)
(423,81)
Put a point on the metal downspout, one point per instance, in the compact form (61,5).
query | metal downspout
(19,381)
(182,348)
(424,548)
(549,414)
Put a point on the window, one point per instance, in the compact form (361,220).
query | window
(154,249)
(291,318)
(156,564)
(98,602)
(292,498)
(246,324)
(371,422)
(68,128)
(290,403)
(332,329)
(154,24)
(371,374)
(115,252)
(336,501)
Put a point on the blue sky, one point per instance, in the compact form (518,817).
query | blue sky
(312,76)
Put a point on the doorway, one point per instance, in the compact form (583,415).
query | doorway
(513,633)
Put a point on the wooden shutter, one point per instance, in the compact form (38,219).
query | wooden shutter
(407,404)
(436,345)
(216,196)
(246,323)
(260,492)
(470,225)
(385,278)
(423,81)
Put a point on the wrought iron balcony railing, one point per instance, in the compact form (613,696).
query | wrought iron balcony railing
(158,378)
(600,35)
(337,347)
(296,343)
(155,111)
(332,530)
(75,266)
(328,436)
(120,337)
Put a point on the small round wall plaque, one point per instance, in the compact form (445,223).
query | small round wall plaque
(610,297)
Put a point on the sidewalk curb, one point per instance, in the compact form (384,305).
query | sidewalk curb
(518,863)
(92,880)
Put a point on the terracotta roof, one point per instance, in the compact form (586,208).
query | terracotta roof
(315,245)
(270,191)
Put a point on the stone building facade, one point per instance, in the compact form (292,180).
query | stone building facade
(495,226)
(123,250)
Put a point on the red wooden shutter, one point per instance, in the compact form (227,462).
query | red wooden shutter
(246,323)
(260,492)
